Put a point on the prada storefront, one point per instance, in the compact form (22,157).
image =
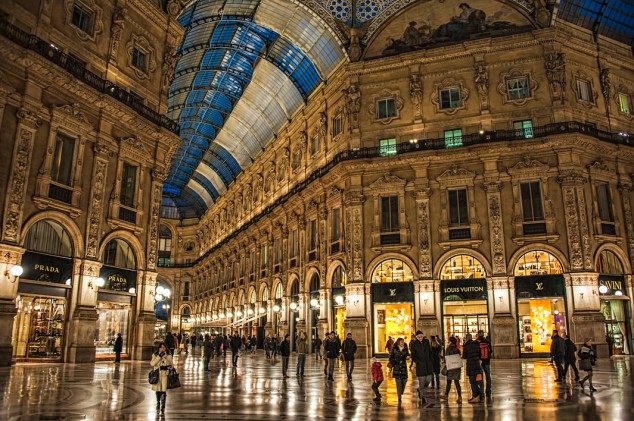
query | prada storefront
(393,303)
(464,297)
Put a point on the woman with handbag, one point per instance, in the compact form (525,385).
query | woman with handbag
(398,361)
(586,362)
(162,361)
(453,374)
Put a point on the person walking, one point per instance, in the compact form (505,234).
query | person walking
(169,342)
(302,349)
(485,357)
(332,347)
(398,361)
(118,348)
(208,349)
(436,356)
(558,352)
(317,347)
(254,344)
(471,352)
(176,343)
(454,374)
(377,378)
(161,360)
(587,359)
(235,344)
(267,346)
(389,345)
(349,348)
(570,359)
(275,346)
(422,356)
(225,345)
(285,350)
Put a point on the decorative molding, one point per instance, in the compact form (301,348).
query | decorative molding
(140,42)
(96,207)
(446,84)
(386,94)
(555,64)
(582,76)
(481,79)
(515,74)
(387,183)
(416,94)
(97,22)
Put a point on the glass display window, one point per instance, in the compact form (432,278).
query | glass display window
(616,326)
(392,320)
(340,316)
(537,263)
(462,267)
(43,319)
(392,270)
(460,318)
(112,318)
(537,319)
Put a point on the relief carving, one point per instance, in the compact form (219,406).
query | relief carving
(352,105)
(481,78)
(416,94)
(423,239)
(556,73)
(96,207)
(572,222)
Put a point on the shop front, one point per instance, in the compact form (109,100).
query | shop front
(115,303)
(339,300)
(392,313)
(614,306)
(463,290)
(540,291)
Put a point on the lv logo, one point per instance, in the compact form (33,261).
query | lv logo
(539,285)
(392,292)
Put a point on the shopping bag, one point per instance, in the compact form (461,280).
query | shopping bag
(173,381)
(453,361)
(443,370)
(153,376)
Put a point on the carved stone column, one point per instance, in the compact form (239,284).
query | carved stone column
(9,256)
(325,304)
(95,212)
(503,325)
(356,321)
(427,305)
(576,220)
(28,123)
(82,323)
(587,321)
(145,318)
(424,234)
(354,236)
(158,178)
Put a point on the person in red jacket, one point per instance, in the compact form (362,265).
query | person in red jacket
(377,378)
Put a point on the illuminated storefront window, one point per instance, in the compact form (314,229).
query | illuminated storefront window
(615,302)
(462,267)
(392,270)
(112,319)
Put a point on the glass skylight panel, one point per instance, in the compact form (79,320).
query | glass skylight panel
(194,199)
(227,157)
(213,116)
(241,7)
(207,172)
(196,37)
(200,191)
(240,147)
(189,60)
(203,181)
(213,58)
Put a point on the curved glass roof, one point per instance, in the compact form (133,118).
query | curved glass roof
(245,67)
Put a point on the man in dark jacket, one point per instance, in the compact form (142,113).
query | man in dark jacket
(236,343)
(485,348)
(118,348)
(558,352)
(208,349)
(349,347)
(471,353)
(332,347)
(170,343)
(285,350)
(218,344)
(570,359)
(422,357)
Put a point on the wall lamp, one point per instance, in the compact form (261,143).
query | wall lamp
(276,308)
(582,291)
(293,306)
(99,283)
(16,271)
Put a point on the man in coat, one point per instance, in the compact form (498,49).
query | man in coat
(332,347)
(349,347)
(421,355)
(170,343)
(285,350)
(570,359)
(235,344)
(118,348)
(208,349)
(471,353)
(486,362)
(558,352)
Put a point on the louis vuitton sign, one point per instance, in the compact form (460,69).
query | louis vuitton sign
(463,289)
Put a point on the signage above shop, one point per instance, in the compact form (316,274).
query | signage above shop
(612,285)
(463,289)
(46,268)
(393,292)
(539,286)
(118,279)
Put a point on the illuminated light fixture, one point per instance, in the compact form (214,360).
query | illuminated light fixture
(215,317)
(413,141)
(481,131)
(249,312)
(160,290)
(222,315)
(556,311)
(229,315)
(100,282)
(238,313)
(17,271)
(315,303)
(159,297)
(276,308)
(37,307)
(293,305)
(297,319)
(167,293)
(262,310)
(339,299)
(582,291)
(603,289)
(132,290)
(619,293)
(69,282)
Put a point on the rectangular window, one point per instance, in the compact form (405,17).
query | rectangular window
(314,144)
(605,202)
(450,98)
(252,258)
(335,227)
(385,108)
(293,241)
(532,207)
(337,125)
(624,103)
(82,18)
(389,214)
(139,59)
(453,138)
(387,147)
(264,257)
(458,207)
(128,185)
(584,91)
(186,291)
(312,243)
(62,167)
(278,250)
(517,88)
(525,127)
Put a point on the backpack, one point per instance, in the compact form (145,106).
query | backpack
(484,351)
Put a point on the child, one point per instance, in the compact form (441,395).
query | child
(377,378)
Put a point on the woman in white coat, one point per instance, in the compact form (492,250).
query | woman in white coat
(162,360)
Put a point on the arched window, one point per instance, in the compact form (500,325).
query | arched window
(295,288)
(462,266)
(278,292)
(537,263)
(339,277)
(48,237)
(315,283)
(118,253)
(265,294)
(165,246)
(392,270)
(252,298)
(608,263)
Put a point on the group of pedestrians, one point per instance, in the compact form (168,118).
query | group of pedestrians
(564,354)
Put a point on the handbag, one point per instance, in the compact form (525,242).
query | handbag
(453,361)
(585,364)
(153,376)
(443,370)
(173,381)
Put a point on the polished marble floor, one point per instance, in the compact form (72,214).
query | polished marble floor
(522,389)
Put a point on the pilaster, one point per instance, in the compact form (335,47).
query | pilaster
(9,256)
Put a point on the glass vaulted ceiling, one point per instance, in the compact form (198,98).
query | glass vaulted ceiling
(245,67)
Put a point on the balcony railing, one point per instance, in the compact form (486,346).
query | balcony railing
(77,69)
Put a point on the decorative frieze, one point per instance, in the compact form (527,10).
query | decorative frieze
(424,234)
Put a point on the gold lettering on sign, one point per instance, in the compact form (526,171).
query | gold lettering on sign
(45,268)
(616,285)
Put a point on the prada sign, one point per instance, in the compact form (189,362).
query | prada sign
(46,268)
(393,292)
(611,285)
(463,289)
(118,279)
(539,286)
